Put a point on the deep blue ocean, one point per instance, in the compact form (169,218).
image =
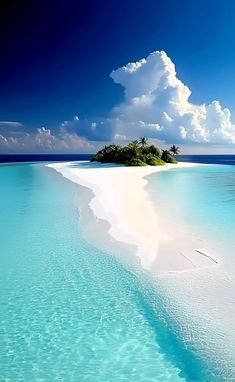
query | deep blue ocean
(6,158)
(211,159)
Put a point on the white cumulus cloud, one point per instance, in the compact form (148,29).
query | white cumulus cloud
(157,104)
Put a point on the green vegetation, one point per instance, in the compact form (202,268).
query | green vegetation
(136,154)
(167,157)
(155,161)
(135,162)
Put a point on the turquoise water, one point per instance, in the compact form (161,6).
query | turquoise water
(70,312)
(202,197)
(201,302)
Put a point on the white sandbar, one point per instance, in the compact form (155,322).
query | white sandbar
(121,199)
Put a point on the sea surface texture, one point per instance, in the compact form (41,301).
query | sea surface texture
(72,312)
(202,301)
(69,312)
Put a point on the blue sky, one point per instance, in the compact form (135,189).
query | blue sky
(56,60)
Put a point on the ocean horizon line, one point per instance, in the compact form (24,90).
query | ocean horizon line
(224,159)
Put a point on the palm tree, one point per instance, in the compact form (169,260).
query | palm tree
(165,155)
(155,151)
(114,148)
(134,143)
(143,141)
(133,147)
(174,150)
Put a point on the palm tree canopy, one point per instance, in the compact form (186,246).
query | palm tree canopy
(143,141)
(136,154)
(174,150)
(134,144)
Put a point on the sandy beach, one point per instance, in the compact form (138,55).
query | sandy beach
(120,198)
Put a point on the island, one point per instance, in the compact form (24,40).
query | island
(136,153)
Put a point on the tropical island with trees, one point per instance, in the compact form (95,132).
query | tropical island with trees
(136,153)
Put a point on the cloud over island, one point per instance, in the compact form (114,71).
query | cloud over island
(156,105)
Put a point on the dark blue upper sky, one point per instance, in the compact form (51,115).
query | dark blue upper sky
(56,56)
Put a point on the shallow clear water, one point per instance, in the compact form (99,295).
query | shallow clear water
(69,312)
(201,302)
(202,197)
